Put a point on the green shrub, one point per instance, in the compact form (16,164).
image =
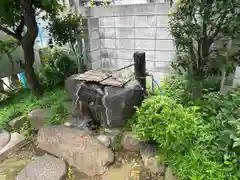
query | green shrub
(175,128)
(200,142)
(10,114)
(59,117)
(58,66)
(176,88)
(199,165)
(23,102)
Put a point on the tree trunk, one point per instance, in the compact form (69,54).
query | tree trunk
(27,42)
(31,76)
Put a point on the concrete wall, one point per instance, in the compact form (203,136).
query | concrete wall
(5,65)
(116,32)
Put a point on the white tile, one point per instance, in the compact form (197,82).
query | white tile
(124,33)
(167,45)
(145,33)
(106,22)
(145,21)
(125,43)
(124,21)
(165,56)
(108,43)
(163,33)
(125,54)
(162,21)
(144,44)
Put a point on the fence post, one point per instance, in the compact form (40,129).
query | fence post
(140,68)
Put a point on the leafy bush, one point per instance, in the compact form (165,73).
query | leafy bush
(60,114)
(223,112)
(175,128)
(58,67)
(199,165)
(11,113)
(198,139)
(176,88)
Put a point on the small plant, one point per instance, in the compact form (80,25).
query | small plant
(70,174)
(117,144)
(58,66)
(27,129)
(60,114)
(176,88)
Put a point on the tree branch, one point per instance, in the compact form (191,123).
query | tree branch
(8,32)
(30,20)
(19,29)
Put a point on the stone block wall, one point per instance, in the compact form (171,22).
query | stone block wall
(92,42)
(116,32)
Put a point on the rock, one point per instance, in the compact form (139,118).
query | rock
(98,113)
(38,117)
(153,165)
(75,122)
(148,153)
(17,122)
(17,141)
(130,141)
(112,134)
(4,138)
(148,150)
(112,106)
(78,148)
(119,104)
(169,175)
(43,168)
(71,85)
(104,139)
(90,93)
(108,137)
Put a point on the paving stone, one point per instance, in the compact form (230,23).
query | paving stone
(148,153)
(44,168)
(130,141)
(104,139)
(78,148)
(16,123)
(17,141)
(4,138)
(112,134)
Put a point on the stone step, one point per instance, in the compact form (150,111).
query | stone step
(44,168)
(17,141)
(4,138)
(78,148)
